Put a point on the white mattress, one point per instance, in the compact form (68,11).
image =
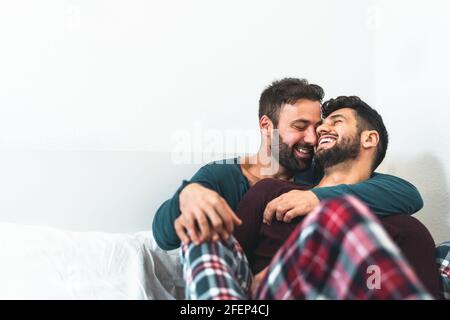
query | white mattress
(46,263)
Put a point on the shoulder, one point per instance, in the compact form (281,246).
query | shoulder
(225,169)
(387,178)
(226,177)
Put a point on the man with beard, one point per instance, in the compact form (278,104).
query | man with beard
(202,208)
(331,252)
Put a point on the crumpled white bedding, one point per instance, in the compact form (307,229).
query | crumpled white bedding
(47,263)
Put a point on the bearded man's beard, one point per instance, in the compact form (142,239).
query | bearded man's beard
(347,149)
(286,157)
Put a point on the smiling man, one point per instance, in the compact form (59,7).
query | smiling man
(203,208)
(327,255)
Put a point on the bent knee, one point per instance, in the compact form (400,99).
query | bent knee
(347,211)
(407,228)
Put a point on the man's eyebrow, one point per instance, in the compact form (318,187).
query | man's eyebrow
(303,121)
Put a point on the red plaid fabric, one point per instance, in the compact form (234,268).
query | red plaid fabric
(443,261)
(339,251)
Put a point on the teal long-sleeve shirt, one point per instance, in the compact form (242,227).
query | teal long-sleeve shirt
(384,194)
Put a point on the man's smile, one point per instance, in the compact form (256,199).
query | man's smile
(304,152)
(326,141)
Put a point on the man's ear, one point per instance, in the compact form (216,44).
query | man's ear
(369,139)
(266,126)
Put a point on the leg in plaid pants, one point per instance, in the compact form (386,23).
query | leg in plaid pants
(339,251)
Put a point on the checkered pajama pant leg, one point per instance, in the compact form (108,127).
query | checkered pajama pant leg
(443,261)
(216,271)
(339,251)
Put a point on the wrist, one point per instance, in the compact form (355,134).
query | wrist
(314,201)
(186,192)
(185,189)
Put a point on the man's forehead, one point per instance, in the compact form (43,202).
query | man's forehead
(306,109)
(343,112)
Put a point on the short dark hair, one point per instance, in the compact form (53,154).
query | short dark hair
(367,119)
(287,90)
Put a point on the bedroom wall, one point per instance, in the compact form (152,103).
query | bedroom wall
(412,88)
(91,93)
(96,95)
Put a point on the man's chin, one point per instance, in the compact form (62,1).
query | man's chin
(323,152)
(302,164)
(323,149)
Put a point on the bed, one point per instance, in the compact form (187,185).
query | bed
(46,263)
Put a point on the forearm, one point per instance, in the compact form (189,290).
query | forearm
(163,225)
(384,194)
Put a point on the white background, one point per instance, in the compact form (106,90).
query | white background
(92,92)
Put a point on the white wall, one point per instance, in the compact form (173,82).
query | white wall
(412,87)
(91,93)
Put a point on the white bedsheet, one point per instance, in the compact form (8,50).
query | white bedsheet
(47,263)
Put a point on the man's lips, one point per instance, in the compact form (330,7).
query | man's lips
(326,141)
(303,152)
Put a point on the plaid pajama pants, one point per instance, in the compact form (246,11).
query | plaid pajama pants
(443,261)
(339,251)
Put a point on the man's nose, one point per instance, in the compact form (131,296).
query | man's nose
(322,129)
(310,136)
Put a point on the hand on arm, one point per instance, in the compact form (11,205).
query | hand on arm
(205,215)
(290,205)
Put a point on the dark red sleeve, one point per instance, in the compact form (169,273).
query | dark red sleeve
(251,208)
(250,211)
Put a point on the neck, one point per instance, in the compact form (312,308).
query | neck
(348,172)
(262,165)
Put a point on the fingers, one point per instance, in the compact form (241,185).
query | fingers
(277,209)
(218,225)
(218,228)
(203,225)
(215,219)
(224,235)
(271,210)
(229,218)
(291,214)
(235,218)
(208,218)
(215,236)
(269,213)
(191,227)
(222,218)
(280,212)
(226,217)
(181,231)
